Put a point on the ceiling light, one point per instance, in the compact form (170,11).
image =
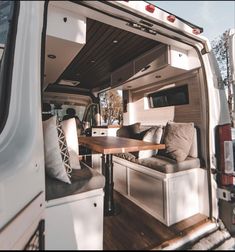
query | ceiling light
(51,56)
(69,83)
(92,61)
(115,41)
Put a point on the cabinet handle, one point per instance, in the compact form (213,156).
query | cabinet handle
(95,205)
(94,132)
(102,133)
(145,68)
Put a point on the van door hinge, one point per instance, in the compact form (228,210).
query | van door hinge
(213,160)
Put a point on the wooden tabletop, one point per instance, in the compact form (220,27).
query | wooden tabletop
(114,145)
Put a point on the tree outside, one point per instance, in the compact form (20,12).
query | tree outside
(220,48)
(111,107)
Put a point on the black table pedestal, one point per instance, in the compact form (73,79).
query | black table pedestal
(107,169)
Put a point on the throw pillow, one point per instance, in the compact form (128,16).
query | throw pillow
(178,140)
(194,147)
(129,131)
(70,130)
(153,135)
(55,149)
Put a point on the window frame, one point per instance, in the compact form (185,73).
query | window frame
(6,69)
(166,92)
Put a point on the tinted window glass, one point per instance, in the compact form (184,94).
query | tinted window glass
(6,8)
(8,25)
(169,97)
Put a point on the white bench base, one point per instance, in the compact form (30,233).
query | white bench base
(170,198)
(75,222)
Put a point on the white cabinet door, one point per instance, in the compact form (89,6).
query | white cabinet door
(151,61)
(99,132)
(122,74)
(75,225)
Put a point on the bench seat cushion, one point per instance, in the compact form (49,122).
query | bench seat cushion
(162,163)
(82,180)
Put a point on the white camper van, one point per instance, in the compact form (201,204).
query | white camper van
(162,179)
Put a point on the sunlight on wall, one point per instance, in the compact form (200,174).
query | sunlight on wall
(131,113)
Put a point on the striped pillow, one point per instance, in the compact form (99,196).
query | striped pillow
(63,148)
(55,149)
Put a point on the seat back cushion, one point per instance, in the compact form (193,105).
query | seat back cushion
(70,131)
(178,138)
(153,135)
(55,150)
(193,152)
(83,180)
(129,131)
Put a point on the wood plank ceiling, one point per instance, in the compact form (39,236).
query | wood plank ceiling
(101,55)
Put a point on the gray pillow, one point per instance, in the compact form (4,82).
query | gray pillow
(153,135)
(178,139)
(129,131)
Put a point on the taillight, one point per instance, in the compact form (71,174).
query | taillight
(225,154)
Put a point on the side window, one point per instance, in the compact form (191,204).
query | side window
(8,26)
(111,104)
(169,97)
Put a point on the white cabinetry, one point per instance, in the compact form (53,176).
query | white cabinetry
(101,131)
(122,74)
(75,222)
(170,197)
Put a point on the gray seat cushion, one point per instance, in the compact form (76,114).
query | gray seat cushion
(82,180)
(168,165)
(162,163)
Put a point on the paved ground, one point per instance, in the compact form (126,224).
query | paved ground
(217,240)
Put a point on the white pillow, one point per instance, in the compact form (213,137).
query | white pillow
(55,150)
(153,135)
(70,130)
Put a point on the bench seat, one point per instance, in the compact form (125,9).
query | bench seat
(169,191)
(82,180)
(162,163)
(74,212)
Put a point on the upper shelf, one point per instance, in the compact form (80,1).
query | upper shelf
(152,62)
(66,36)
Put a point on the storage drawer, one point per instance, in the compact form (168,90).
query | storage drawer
(73,225)
(99,132)
(148,191)
(122,74)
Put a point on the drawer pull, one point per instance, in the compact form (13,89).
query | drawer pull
(102,133)
(94,132)
(95,205)
(145,68)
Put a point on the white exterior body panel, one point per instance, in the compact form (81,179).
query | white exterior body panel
(21,141)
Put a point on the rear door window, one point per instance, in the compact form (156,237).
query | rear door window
(8,26)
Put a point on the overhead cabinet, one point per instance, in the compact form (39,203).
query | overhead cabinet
(151,62)
(122,74)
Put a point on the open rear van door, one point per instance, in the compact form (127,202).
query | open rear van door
(231,50)
(21,139)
